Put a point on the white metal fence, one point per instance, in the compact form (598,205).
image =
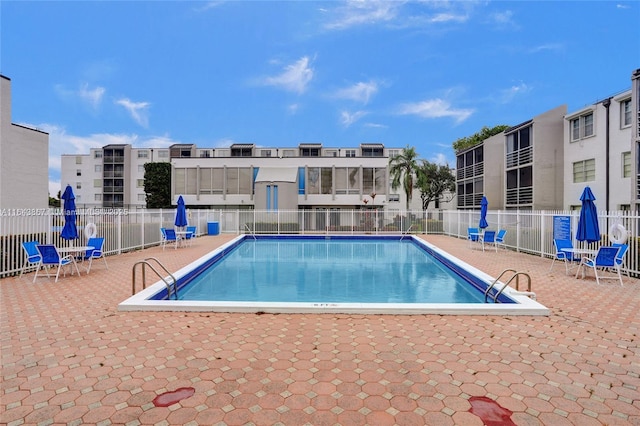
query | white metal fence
(527,231)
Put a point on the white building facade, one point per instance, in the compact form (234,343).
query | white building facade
(242,176)
(598,154)
(24,160)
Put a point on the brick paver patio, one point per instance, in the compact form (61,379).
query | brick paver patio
(69,357)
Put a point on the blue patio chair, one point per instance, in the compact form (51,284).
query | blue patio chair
(96,253)
(191,234)
(500,238)
(566,256)
(32,253)
(473,235)
(605,260)
(489,238)
(50,257)
(169,237)
(621,256)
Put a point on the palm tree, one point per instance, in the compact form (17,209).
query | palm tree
(402,168)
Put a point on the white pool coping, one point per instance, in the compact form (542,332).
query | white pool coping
(524,306)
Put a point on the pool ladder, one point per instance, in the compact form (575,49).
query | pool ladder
(404,234)
(250,231)
(147,262)
(516,275)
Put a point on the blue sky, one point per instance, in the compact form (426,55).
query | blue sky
(340,73)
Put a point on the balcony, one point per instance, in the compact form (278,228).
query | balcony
(520,196)
(520,157)
(473,170)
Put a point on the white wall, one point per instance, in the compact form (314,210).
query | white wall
(24,160)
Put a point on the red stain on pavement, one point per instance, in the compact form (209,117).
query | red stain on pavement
(491,413)
(169,398)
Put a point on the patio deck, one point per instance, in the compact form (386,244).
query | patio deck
(69,357)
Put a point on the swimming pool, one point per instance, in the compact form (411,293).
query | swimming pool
(339,274)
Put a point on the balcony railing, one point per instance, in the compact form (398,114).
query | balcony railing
(520,196)
(520,157)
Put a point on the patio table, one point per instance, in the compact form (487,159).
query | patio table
(76,251)
(581,252)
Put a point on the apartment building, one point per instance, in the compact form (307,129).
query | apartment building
(520,168)
(242,176)
(635,140)
(309,176)
(111,176)
(598,153)
(24,160)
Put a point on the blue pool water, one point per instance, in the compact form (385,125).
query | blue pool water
(336,270)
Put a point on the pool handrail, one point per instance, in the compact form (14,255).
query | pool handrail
(146,263)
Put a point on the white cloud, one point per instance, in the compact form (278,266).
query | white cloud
(347,118)
(293,109)
(93,96)
(449,17)
(434,108)
(440,159)
(545,47)
(507,95)
(375,125)
(294,78)
(359,92)
(138,110)
(360,12)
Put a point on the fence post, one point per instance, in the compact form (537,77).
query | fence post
(543,229)
(119,232)
(142,225)
(518,230)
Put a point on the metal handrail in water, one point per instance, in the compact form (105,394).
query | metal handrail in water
(250,231)
(406,232)
(146,263)
(516,275)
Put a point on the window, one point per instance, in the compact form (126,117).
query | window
(331,153)
(393,152)
(142,197)
(97,183)
(163,154)
(97,154)
(582,127)
(625,113)
(584,171)
(395,198)
(143,154)
(309,152)
(78,172)
(98,168)
(140,168)
(140,183)
(78,186)
(97,197)
(242,152)
(265,153)
(372,152)
(350,153)
(78,159)
(288,153)
(626,164)
(205,153)
(272,197)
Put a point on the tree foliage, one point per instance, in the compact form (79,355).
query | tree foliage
(157,185)
(433,181)
(402,168)
(473,140)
